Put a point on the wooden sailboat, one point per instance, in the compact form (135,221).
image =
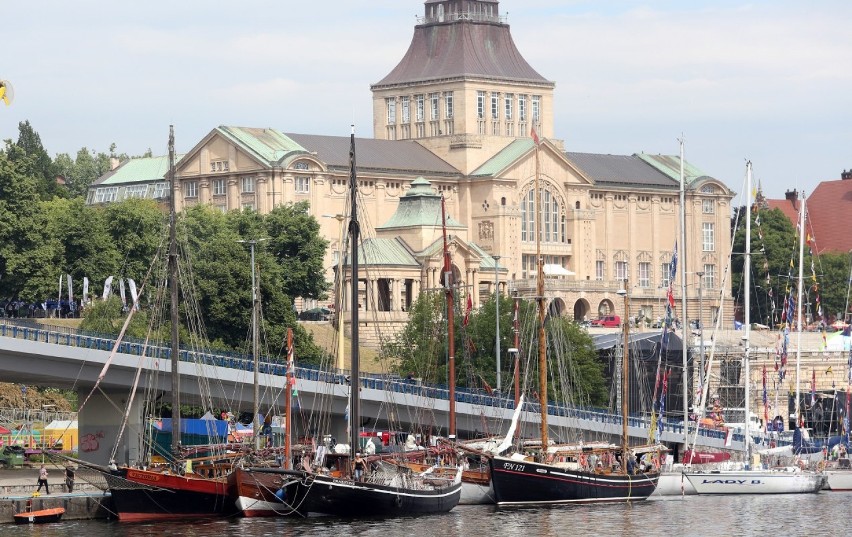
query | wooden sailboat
(557,474)
(393,490)
(755,478)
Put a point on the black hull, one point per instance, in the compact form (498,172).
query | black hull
(133,502)
(346,498)
(530,483)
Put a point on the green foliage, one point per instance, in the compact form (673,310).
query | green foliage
(107,317)
(297,245)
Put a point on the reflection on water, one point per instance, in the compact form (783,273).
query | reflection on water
(815,514)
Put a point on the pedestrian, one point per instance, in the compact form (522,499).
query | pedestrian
(69,477)
(359,465)
(42,480)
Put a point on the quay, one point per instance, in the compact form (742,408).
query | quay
(89,500)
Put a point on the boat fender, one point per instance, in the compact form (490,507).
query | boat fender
(281,494)
(583,460)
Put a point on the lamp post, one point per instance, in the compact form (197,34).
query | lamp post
(497,316)
(700,275)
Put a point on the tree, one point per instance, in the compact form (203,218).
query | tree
(45,172)
(299,248)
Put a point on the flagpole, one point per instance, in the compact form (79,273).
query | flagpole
(687,388)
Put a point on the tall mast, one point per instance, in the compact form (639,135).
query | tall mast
(799,300)
(354,233)
(448,288)
(683,320)
(542,344)
(288,403)
(625,371)
(255,302)
(173,296)
(747,315)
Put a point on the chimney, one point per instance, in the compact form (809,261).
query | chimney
(790,195)
(113,163)
(846,175)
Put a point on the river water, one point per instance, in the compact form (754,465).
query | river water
(795,514)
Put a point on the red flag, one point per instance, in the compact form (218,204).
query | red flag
(534,135)
(467,310)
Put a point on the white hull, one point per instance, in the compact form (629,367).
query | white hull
(838,479)
(781,481)
(473,494)
(251,507)
(673,484)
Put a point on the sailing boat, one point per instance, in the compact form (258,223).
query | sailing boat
(392,490)
(755,479)
(557,474)
(141,494)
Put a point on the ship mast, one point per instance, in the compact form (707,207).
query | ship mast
(542,344)
(173,296)
(354,237)
(448,287)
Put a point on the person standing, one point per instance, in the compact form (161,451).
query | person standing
(360,465)
(42,480)
(69,477)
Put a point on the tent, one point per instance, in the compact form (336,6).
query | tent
(556,270)
(838,342)
(61,434)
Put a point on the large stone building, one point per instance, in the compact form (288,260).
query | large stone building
(455,117)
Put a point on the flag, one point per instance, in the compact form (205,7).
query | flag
(828,371)
(107,288)
(70,290)
(85,289)
(534,136)
(467,310)
(813,387)
(134,297)
(122,292)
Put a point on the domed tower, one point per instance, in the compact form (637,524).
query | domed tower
(462,89)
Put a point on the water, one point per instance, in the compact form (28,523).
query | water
(814,514)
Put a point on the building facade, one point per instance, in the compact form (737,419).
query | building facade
(457,117)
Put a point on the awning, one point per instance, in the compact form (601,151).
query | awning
(556,270)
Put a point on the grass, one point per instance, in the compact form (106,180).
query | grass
(325,337)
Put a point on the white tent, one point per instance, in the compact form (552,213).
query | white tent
(556,270)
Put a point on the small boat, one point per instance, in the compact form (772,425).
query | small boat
(42,516)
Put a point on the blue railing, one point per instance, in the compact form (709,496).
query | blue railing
(242,362)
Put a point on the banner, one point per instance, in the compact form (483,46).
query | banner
(85,290)
(107,288)
(121,292)
(70,290)
(133,295)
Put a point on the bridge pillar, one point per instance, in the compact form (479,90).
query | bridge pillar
(99,423)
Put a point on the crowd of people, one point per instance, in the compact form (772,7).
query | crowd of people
(18,309)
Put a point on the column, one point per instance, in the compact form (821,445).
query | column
(99,423)
(204,195)
(233,193)
(262,194)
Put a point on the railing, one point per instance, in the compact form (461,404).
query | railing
(78,338)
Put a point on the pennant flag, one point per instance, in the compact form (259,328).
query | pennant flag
(467,310)
(534,136)
(85,289)
(134,297)
(122,292)
(828,371)
(107,288)
(70,289)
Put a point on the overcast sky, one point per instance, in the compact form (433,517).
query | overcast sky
(769,81)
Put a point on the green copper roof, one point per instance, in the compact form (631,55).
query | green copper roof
(384,252)
(487,262)
(139,170)
(419,207)
(268,145)
(670,165)
(504,158)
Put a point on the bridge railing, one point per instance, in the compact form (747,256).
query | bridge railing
(77,338)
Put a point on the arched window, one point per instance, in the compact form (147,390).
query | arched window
(577,205)
(552,228)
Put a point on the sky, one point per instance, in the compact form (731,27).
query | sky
(766,81)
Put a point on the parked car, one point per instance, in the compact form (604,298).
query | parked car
(608,321)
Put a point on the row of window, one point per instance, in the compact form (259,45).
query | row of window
(552,218)
(107,194)
(643,275)
(302,185)
(418,102)
(524,104)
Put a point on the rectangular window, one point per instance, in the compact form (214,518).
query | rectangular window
(480,105)
(248,185)
(218,187)
(248,206)
(161,190)
(665,272)
(536,108)
(303,185)
(495,106)
(433,106)
(522,107)
(709,277)
(509,102)
(105,195)
(406,110)
(190,189)
(448,105)
(708,236)
(621,270)
(644,274)
(135,191)
(708,206)
(219,166)
(391,105)
(600,270)
(420,108)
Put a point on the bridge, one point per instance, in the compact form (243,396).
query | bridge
(72,359)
